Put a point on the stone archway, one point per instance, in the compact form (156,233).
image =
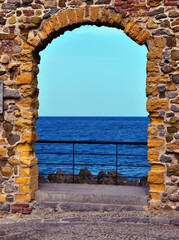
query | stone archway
(18,126)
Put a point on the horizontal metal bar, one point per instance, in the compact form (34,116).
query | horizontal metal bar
(88,164)
(93,154)
(93,142)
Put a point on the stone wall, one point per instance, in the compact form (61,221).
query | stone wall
(27,26)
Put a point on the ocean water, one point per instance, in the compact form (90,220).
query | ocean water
(120,129)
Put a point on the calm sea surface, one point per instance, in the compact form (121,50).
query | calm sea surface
(123,129)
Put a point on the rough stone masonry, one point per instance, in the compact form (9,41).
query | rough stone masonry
(26,28)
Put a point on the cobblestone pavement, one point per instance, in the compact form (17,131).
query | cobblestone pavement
(90,225)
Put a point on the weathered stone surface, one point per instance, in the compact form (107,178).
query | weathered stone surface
(176,136)
(172,94)
(173,170)
(156,11)
(152,25)
(165,24)
(9,6)
(169,114)
(6,171)
(160,16)
(167,69)
(172,129)
(62,3)
(175,54)
(9,188)
(161,88)
(27,1)
(173,120)
(175,78)
(173,14)
(11,94)
(7,126)
(165,159)
(159,32)
(154,53)
(174,108)
(174,198)
(153,105)
(103,1)
(13,139)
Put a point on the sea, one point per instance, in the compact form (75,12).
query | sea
(131,159)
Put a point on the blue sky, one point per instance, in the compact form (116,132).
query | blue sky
(93,71)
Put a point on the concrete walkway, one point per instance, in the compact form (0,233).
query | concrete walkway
(86,193)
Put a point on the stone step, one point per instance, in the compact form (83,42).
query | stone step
(83,207)
(98,194)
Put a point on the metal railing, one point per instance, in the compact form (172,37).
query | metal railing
(74,154)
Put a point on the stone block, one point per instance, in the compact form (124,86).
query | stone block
(157,187)
(154,105)
(155,143)
(155,177)
(158,79)
(25,147)
(27,172)
(80,15)
(29,138)
(24,197)
(62,18)
(175,54)
(173,170)
(11,94)
(157,168)
(94,13)
(7,171)
(55,23)
(155,196)
(152,66)
(152,155)
(2,197)
(28,162)
(155,53)
(34,41)
(25,189)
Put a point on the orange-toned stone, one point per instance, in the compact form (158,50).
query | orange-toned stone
(94,13)
(155,53)
(2,152)
(26,180)
(55,23)
(28,162)
(158,79)
(25,79)
(34,41)
(151,90)
(152,25)
(29,137)
(152,131)
(46,26)
(157,120)
(2,197)
(157,187)
(28,172)
(152,155)
(24,197)
(2,142)
(104,15)
(13,162)
(174,145)
(159,42)
(24,56)
(176,22)
(25,147)
(157,168)
(135,31)
(154,105)
(155,177)
(62,18)
(21,126)
(129,26)
(28,90)
(71,14)
(171,87)
(27,103)
(24,189)
(27,154)
(33,68)
(155,196)
(30,115)
(152,66)
(155,143)
(7,171)
(80,14)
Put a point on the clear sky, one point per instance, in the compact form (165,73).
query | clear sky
(93,71)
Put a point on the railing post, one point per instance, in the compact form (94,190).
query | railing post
(116,164)
(73,162)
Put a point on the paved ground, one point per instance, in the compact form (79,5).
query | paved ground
(90,225)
